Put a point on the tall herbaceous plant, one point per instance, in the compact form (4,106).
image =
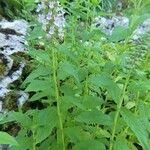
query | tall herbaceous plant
(89,87)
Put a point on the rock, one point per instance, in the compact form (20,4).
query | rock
(17,27)
(12,40)
(107,25)
(12,36)
(141,30)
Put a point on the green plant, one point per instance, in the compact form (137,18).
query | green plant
(90,98)
(9,8)
(5,138)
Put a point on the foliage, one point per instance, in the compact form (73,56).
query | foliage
(12,9)
(9,8)
(5,138)
(91,98)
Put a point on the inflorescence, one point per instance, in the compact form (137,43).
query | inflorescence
(51,16)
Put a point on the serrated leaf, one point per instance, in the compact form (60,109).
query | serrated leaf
(91,102)
(18,117)
(45,144)
(24,141)
(36,33)
(47,116)
(105,81)
(39,95)
(137,126)
(89,145)
(76,134)
(44,121)
(73,101)
(5,138)
(109,67)
(120,144)
(94,117)
(99,133)
(41,56)
(42,133)
(118,34)
(66,69)
(38,85)
(40,71)
(130,105)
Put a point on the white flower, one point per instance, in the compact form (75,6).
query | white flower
(60,10)
(58,4)
(51,30)
(41,18)
(43,4)
(51,5)
(49,16)
(39,8)
(59,21)
(52,18)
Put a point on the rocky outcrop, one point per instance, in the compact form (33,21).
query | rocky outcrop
(107,25)
(12,41)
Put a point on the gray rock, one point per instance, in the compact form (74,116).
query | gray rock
(107,25)
(12,39)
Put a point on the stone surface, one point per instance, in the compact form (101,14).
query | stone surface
(142,29)
(12,41)
(107,25)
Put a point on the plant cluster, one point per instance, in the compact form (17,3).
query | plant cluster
(92,94)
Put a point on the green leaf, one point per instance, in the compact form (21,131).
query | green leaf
(91,102)
(24,141)
(66,69)
(39,95)
(47,117)
(41,56)
(137,126)
(43,132)
(105,81)
(109,67)
(89,145)
(5,138)
(36,32)
(121,144)
(76,134)
(95,2)
(43,122)
(118,34)
(94,117)
(45,144)
(40,71)
(18,117)
(38,85)
(73,101)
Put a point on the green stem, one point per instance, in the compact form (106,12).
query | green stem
(54,61)
(118,112)
(34,145)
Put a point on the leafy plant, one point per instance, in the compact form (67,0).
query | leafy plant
(5,138)
(90,98)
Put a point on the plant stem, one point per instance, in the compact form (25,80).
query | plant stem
(118,112)
(34,145)
(54,61)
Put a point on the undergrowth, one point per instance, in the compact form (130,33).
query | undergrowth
(94,93)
